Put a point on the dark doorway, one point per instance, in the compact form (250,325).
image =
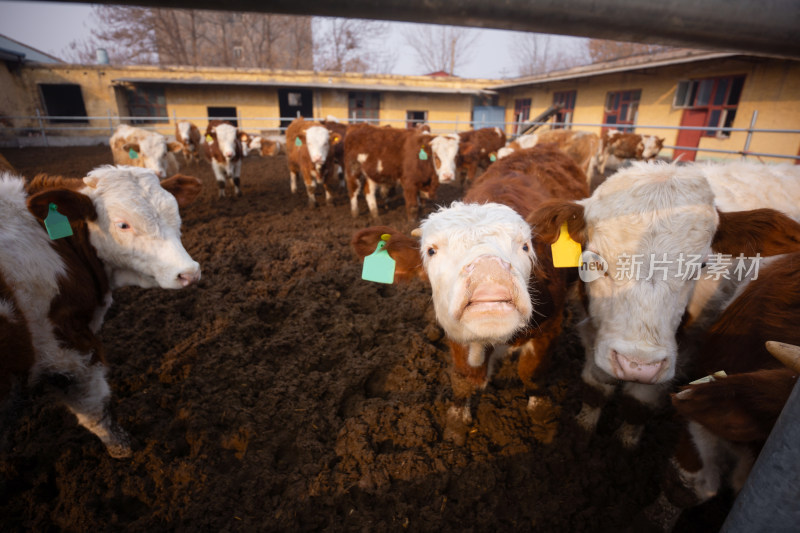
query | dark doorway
(63,100)
(224,113)
(293,103)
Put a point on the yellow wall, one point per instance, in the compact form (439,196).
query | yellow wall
(771,86)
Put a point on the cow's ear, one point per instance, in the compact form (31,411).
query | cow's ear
(403,249)
(75,206)
(174,146)
(185,189)
(546,221)
(760,231)
(131,146)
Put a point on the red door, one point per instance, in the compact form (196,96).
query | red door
(690,138)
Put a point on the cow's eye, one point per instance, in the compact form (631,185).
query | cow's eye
(124,226)
(431,251)
(525,247)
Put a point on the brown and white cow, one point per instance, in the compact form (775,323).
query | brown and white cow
(520,143)
(264,146)
(477,149)
(386,156)
(307,150)
(627,146)
(493,281)
(143,148)
(727,420)
(337,133)
(126,231)
(582,146)
(224,150)
(188,135)
(657,228)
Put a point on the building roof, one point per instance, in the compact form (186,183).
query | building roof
(625,64)
(11,50)
(364,85)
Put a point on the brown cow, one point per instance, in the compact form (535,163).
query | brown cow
(731,417)
(307,150)
(224,150)
(385,156)
(477,149)
(493,281)
(582,146)
(627,146)
(188,135)
(125,232)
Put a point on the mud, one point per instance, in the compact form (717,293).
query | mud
(285,394)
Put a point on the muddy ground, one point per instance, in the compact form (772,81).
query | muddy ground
(285,394)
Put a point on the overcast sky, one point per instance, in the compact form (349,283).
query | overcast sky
(50,27)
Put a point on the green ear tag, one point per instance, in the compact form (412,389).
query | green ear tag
(423,155)
(298,141)
(57,225)
(133,154)
(379,266)
(492,157)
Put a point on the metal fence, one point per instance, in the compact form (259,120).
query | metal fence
(45,130)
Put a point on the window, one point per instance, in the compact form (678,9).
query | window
(147,103)
(223,113)
(522,111)
(565,99)
(719,96)
(621,109)
(63,100)
(416,117)
(364,107)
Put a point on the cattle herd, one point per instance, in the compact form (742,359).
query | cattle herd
(681,271)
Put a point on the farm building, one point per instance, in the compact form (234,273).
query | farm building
(680,94)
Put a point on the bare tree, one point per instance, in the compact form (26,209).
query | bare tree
(537,53)
(605,50)
(441,48)
(127,35)
(351,45)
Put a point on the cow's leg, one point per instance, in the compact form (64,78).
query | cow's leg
(411,196)
(237,171)
(597,389)
(638,402)
(470,373)
(370,189)
(353,188)
(219,174)
(88,397)
(309,177)
(293,181)
(533,358)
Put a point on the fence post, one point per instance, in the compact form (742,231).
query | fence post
(110,124)
(749,134)
(41,127)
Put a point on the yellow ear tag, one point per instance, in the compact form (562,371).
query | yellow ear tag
(379,265)
(209,139)
(566,252)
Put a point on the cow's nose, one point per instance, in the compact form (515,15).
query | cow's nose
(189,276)
(447,176)
(629,369)
(228,154)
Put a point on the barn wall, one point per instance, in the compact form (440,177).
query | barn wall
(772,87)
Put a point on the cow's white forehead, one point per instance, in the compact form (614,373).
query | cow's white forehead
(651,208)
(469,223)
(226,136)
(445,146)
(317,136)
(135,192)
(184,128)
(154,146)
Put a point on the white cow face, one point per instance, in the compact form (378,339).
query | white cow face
(445,150)
(317,142)
(640,214)
(155,155)
(137,233)
(651,145)
(478,259)
(185,129)
(227,139)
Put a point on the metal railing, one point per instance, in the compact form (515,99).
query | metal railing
(44,130)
